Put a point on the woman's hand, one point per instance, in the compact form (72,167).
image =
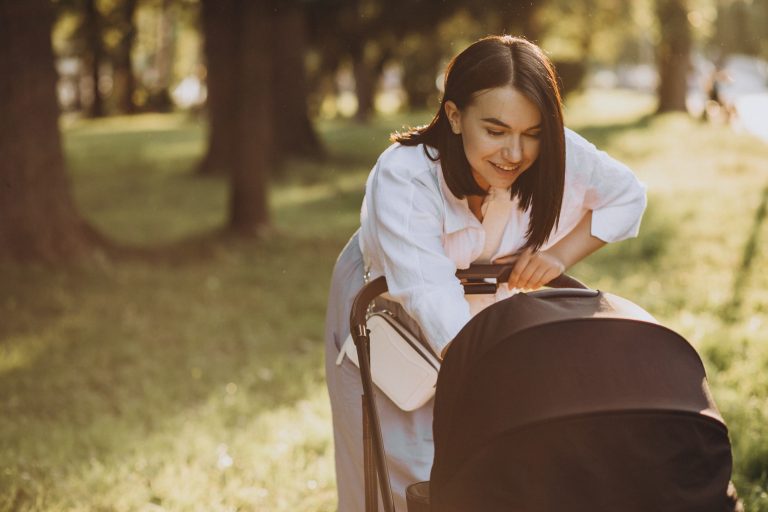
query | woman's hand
(533,269)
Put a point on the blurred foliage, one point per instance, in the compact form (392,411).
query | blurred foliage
(596,31)
(166,49)
(365,37)
(740,26)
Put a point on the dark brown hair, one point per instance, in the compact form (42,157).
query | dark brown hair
(499,61)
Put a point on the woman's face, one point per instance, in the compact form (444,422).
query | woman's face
(500,129)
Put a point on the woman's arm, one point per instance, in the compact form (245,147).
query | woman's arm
(534,269)
(614,200)
(402,226)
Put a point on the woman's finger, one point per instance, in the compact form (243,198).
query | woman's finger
(548,276)
(525,279)
(517,269)
(537,279)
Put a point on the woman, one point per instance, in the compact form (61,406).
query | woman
(495,177)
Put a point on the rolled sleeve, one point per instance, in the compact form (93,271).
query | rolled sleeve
(613,193)
(404,215)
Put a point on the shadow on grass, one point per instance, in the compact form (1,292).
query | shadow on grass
(140,345)
(732,310)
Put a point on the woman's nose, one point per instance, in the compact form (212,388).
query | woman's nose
(513,151)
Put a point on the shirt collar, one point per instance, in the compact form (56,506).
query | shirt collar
(458,216)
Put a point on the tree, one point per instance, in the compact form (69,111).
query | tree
(354,29)
(86,42)
(92,27)
(673,54)
(293,130)
(124,79)
(217,20)
(238,47)
(248,196)
(38,219)
(162,60)
(420,57)
(512,17)
(739,27)
(369,33)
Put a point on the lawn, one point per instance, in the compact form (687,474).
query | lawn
(192,378)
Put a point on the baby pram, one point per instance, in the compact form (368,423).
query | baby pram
(561,399)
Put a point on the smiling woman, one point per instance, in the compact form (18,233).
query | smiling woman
(510,87)
(495,177)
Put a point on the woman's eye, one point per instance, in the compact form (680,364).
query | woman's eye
(493,133)
(534,135)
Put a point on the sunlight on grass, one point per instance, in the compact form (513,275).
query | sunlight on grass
(144,123)
(284,197)
(603,107)
(197,383)
(278,460)
(19,354)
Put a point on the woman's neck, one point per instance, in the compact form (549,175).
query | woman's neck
(475,206)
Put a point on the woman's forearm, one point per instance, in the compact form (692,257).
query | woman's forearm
(578,244)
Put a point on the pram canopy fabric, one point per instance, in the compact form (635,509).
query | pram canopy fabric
(575,400)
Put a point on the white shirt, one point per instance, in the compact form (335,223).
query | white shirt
(417,233)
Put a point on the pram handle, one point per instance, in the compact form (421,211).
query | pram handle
(473,279)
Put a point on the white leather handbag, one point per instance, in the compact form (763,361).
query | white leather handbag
(401,366)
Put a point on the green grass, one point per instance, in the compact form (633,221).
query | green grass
(194,381)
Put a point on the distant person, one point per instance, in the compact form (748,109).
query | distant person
(495,177)
(717,107)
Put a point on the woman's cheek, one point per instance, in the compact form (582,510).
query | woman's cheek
(534,151)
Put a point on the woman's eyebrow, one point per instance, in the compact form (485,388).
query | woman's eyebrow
(497,122)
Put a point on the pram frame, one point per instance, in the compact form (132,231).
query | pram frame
(477,279)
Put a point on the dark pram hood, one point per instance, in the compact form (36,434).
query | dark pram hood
(569,400)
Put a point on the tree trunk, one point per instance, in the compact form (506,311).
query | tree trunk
(218,19)
(248,212)
(520,18)
(38,220)
(125,82)
(420,71)
(589,8)
(160,93)
(322,82)
(293,131)
(95,51)
(673,54)
(365,84)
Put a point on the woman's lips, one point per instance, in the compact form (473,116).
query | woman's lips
(506,168)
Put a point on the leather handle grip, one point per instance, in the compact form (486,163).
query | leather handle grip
(501,274)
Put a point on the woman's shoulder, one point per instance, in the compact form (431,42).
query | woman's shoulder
(405,166)
(581,156)
(577,145)
(588,165)
(410,161)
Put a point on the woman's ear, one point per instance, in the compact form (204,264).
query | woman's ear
(454,116)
